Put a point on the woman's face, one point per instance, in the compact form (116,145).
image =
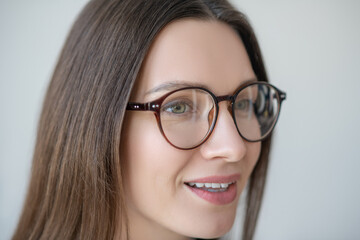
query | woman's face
(161,204)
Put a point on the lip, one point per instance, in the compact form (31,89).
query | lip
(217,198)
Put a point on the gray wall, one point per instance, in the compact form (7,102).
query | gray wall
(311,50)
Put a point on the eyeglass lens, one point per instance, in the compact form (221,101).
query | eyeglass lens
(188,116)
(255,111)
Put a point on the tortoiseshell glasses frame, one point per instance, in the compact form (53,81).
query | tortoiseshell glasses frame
(271,94)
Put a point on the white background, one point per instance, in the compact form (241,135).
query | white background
(311,50)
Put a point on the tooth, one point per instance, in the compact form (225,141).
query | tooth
(192,184)
(215,185)
(208,185)
(199,185)
(224,185)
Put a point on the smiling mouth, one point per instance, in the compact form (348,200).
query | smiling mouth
(211,187)
(218,190)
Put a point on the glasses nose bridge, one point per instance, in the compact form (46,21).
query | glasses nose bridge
(225,98)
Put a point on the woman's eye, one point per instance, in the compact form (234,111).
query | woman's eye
(243,104)
(177,108)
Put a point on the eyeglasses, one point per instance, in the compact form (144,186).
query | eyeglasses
(187,116)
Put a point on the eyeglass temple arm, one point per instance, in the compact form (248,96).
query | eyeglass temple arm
(142,106)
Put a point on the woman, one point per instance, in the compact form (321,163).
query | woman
(105,168)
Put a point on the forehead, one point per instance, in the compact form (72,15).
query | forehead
(194,52)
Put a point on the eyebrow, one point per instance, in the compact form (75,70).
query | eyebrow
(168,86)
(173,85)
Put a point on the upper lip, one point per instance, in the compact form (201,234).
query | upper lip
(216,179)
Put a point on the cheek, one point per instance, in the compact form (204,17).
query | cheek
(152,166)
(253,154)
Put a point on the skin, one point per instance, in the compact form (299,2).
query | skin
(159,204)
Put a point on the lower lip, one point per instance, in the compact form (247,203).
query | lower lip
(218,198)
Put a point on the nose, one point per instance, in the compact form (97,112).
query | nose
(224,142)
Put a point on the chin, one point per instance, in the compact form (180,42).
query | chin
(215,229)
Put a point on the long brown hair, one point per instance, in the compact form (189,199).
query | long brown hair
(76,187)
